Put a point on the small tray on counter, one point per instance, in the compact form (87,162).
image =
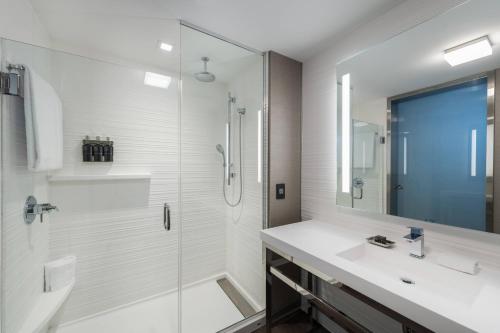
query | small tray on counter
(381,241)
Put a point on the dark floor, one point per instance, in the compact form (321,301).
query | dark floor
(296,324)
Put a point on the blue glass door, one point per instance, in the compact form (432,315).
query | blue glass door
(438,156)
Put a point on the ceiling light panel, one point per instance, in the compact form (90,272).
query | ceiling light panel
(473,50)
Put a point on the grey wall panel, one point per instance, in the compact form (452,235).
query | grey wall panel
(285,137)
(496,157)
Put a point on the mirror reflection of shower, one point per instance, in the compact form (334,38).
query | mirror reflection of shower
(227,158)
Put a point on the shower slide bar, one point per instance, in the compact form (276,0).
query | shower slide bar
(11,81)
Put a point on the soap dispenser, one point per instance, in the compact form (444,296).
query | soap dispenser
(98,150)
(86,150)
(108,150)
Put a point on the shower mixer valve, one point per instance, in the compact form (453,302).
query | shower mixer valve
(32,209)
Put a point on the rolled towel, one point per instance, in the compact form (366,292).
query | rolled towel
(59,273)
(459,263)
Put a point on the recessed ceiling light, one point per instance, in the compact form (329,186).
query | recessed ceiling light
(165,46)
(157,80)
(475,49)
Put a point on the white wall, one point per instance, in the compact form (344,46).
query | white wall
(25,247)
(319,167)
(244,250)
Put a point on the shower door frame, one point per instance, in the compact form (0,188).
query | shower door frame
(257,320)
(490,117)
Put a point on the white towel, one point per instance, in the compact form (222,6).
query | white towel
(459,263)
(44,123)
(60,273)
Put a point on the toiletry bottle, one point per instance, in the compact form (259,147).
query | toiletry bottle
(86,150)
(98,156)
(106,150)
(111,151)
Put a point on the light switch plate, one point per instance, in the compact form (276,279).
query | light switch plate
(280,191)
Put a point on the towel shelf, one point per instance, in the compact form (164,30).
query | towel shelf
(72,178)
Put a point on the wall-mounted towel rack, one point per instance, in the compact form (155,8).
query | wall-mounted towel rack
(11,81)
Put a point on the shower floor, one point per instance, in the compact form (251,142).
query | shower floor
(205,309)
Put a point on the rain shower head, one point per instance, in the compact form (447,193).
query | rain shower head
(205,76)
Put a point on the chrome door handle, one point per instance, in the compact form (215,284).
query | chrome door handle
(166,217)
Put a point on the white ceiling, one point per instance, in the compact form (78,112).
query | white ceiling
(296,28)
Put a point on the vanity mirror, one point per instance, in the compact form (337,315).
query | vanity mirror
(417,119)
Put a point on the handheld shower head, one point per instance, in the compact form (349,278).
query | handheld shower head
(220,149)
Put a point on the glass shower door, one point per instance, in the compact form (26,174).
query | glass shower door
(119,218)
(222,273)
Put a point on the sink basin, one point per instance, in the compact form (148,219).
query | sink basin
(420,275)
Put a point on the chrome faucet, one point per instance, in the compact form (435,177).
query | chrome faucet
(416,240)
(32,209)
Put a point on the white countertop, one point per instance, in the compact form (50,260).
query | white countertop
(473,302)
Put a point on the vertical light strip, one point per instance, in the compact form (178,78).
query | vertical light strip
(227,151)
(259,146)
(473,153)
(346,133)
(405,152)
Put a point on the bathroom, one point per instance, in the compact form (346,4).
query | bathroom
(182,166)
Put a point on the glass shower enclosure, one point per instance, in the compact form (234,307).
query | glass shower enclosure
(166,235)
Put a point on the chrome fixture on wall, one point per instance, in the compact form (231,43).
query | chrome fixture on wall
(227,164)
(205,76)
(32,209)
(11,82)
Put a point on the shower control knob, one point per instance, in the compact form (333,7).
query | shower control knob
(32,209)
